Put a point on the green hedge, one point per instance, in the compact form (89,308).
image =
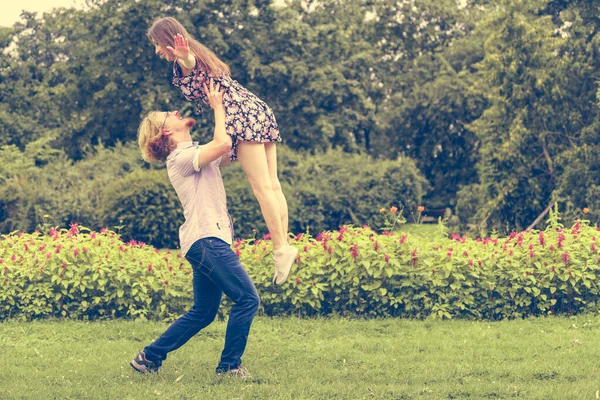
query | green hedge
(351,271)
(324,191)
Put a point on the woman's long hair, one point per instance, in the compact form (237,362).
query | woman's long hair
(163,31)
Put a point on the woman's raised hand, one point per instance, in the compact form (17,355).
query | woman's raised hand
(214,95)
(182,47)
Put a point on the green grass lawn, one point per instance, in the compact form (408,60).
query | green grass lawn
(550,358)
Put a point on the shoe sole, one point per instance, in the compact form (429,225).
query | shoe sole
(287,274)
(141,369)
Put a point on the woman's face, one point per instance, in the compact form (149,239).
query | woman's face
(163,52)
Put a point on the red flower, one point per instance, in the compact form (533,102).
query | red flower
(402,239)
(354,251)
(92,235)
(170,268)
(386,257)
(74,229)
(48,255)
(26,247)
(566,257)
(166,282)
(298,281)
(103,230)
(542,240)
(85,249)
(465,253)
(299,236)
(267,236)
(237,252)
(149,267)
(76,252)
(470,262)
(561,239)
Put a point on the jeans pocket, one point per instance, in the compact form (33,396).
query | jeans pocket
(217,247)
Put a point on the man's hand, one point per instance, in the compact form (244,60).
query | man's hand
(214,95)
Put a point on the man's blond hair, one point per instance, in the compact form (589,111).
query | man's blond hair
(154,145)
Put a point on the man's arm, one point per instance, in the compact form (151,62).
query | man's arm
(217,147)
(221,142)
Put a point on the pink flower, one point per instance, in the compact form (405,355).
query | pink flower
(542,240)
(298,281)
(299,236)
(470,262)
(103,230)
(267,236)
(561,239)
(566,257)
(26,247)
(74,229)
(403,239)
(465,253)
(386,257)
(149,267)
(354,251)
(76,252)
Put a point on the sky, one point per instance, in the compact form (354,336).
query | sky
(11,9)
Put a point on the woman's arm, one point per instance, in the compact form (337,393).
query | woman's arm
(185,58)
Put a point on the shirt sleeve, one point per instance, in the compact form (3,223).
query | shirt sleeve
(186,161)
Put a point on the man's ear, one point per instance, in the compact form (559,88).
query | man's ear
(166,132)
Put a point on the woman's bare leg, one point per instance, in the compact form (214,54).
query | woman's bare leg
(253,159)
(271,150)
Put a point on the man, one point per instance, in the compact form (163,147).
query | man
(205,236)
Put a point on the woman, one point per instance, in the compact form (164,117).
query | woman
(249,121)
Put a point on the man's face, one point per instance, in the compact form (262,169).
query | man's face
(174,122)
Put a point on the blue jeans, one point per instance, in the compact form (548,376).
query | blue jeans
(217,270)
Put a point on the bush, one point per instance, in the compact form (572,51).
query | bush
(351,271)
(327,190)
(42,186)
(146,206)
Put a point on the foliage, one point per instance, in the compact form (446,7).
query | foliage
(43,186)
(351,271)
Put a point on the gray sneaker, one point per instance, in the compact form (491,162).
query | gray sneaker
(284,259)
(239,372)
(144,366)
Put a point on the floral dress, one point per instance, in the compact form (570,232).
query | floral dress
(247,118)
